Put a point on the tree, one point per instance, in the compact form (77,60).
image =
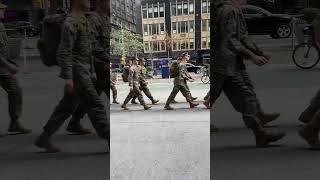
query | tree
(126,43)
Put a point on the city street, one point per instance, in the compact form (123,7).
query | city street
(159,144)
(283,88)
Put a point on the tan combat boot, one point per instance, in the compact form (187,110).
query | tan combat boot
(193,105)
(310,132)
(266,118)
(264,138)
(43,141)
(207,104)
(168,107)
(194,98)
(124,107)
(146,107)
(155,102)
(16,127)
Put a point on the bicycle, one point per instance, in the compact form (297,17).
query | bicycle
(205,77)
(307,54)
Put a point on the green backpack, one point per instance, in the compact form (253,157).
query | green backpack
(174,69)
(49,42)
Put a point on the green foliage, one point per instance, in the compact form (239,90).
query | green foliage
(309,14)
(126,43)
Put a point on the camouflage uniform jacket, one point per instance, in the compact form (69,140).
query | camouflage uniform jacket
(3,50)
(231,44)
(134,75)
(183,75)
(75,46)
(101,29)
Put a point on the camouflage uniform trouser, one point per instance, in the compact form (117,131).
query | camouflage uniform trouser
(183,89)
(234,95)
(101,85)
(10,84)
(236,86)
(114,92)
(144,87)
(135,92)
(312,109)
(85,93)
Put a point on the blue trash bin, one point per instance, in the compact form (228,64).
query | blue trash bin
(165,72)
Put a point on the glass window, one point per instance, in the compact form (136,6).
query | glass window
(155,12)
(191,44)
(174,45)
(179,11)
(182,44)
(191,26)
(204,25)
(187,26)
(191,8)
(204,43)
(154,29)
(163,45)
(161,10)
(155,46)
(174,27)
(161,28)
(145,12)
(174,9)
(204,6)
(150,12)
(185,8)
(146,46)
(145,29)
(150,29)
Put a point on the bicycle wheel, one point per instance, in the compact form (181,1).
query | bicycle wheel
(306,55)
(205,79)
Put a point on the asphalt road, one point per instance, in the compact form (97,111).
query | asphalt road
(281,88)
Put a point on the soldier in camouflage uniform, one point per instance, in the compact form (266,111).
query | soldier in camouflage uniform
(180,84)
(113,88)
(231,46)
(134,79)
(99,25)
(144,84)
(9,82)
(74,57)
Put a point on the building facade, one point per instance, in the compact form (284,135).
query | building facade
(171,27)
(123,14)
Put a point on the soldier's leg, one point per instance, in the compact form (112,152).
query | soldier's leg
(262,137)
(310,131)
(11,85)
(128,98)
(133,101)
(147,92)
(171,97)
(313,107)
(61,113)
(216,89)
(74,125)
(95,107)
(114,94)
(186,93)
(139,95)
(263,116)
(193,98)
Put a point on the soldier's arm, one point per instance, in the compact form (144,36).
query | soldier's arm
(130,77)
(64,54)
(252,46)
(3,58)
(228,20)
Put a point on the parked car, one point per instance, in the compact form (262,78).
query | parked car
(193,68)
(263,22)
(31,31)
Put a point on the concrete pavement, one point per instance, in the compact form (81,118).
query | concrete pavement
(282,88)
